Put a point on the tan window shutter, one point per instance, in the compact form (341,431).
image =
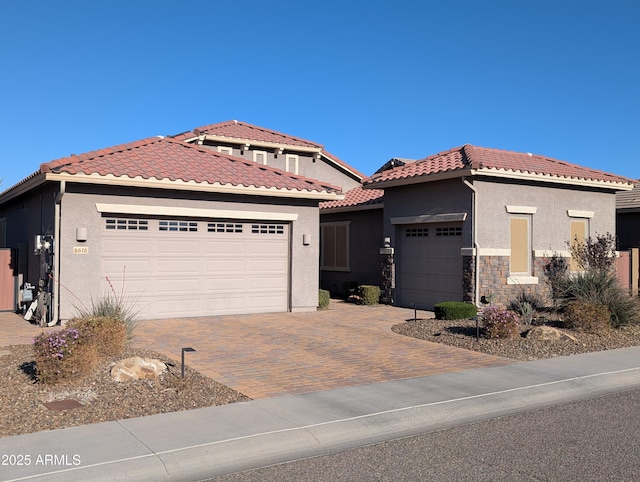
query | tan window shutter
(520,245)
(579,234)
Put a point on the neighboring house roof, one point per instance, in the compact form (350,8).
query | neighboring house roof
(355,199)
(629,200)
(469,160)
(171,164)
(237,132)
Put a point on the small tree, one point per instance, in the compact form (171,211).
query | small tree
(595,254)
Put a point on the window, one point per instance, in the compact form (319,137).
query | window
(454,231)
(260,157)
(127,224)
(225,150)
(520,262)
(267,229)
(183,226)
(578,234)
(417,232)
(291,163)
(334,252)
(224,228)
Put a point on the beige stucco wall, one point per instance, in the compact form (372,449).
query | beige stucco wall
(80,274)
(551,221)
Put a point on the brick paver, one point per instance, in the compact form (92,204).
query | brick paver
(275,354)
(268,355)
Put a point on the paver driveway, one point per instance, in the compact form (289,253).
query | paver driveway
(269,355)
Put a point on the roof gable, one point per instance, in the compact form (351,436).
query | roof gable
(472,160)
(172,161)
(241,131)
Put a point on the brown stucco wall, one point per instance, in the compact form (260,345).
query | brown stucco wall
(365,241)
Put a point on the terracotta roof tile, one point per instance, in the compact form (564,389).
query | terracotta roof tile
(166,158)
(243,131)
(471,157)
(356,197)
(629,199)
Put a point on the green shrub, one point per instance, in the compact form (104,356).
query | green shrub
(500,323)
(599,287)
(63,355)
(369,295)
(108,334)
(587,317)
(323,299)
(455,310)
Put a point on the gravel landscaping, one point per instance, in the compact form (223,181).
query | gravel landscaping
(101,399)
(462,334)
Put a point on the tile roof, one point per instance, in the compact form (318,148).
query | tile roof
(243,131)
(238,131)
(356,197)
(629,199)
(168,159)
(487,161)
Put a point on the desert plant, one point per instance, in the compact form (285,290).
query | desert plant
(555,269)
(500,323)
(111,305)
(323,299)
(587,317)
(455,310)
(594,254)
(63,355)
(369,295)
(601,288)
(108,334)
(527,305)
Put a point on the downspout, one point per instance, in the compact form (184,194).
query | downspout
(476,247)
(56,244)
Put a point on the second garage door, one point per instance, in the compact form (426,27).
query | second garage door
(181,268)
(430,264)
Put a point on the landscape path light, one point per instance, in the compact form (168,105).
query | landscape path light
(183,350)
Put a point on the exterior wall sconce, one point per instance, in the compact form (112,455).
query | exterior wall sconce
(306,239)
(81,234)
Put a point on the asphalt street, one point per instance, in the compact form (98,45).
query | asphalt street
(590,440)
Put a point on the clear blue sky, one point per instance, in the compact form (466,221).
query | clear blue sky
(370,80)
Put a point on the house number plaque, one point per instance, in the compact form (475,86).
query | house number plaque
(81,250)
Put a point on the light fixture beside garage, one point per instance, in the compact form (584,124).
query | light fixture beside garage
(306,239)
(81,234)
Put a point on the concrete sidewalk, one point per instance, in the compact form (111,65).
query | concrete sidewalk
(203,443)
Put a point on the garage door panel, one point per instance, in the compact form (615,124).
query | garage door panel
(178,247)
(267,283)
(131,246)
(228,247)
(177,306)
(262,247)
(224,284)
(177,285)
(224,265)
(178,266)
(268,265)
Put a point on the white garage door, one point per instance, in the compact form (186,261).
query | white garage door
(430,265)
(181,268)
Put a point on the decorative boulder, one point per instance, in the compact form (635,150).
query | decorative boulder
(137,368)
(548,333)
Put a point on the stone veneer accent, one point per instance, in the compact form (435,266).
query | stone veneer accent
(494,271)
(468,279)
